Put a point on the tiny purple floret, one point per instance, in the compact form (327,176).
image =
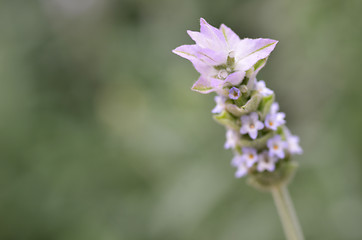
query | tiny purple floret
(293,145)
(250,156)
(266,162)
(250,124)
(234,93)
(232,139)
(274,119)
(277,146)
(220,104)
(262,89)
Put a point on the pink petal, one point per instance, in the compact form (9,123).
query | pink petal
(211,57)
(235,78)
(251,51)
(206,85)
(212,33)
(231,38)
(191,53)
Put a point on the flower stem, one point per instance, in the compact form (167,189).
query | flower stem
(287,213)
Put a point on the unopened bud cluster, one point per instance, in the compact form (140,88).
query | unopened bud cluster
(256,130)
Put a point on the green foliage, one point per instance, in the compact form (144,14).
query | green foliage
(250,106)
(227,120)
(265,105)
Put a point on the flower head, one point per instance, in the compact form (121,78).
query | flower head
(229,66)
(232,139)
(276,146)
(221,57)
(250,124)
(266,162)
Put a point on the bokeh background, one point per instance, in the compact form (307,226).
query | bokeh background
(101,137)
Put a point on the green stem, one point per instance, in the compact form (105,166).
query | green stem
(287,213)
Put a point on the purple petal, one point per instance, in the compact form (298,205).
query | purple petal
(211,57)
(252,50)
(199,38)
(270,167)
(186,51)
(190,52)
(274,108)
(253,133)
(206,85)
(204,41)
(254,116)
(259,125)
(231,38)
(245,119)
(212,33)
(243,130)
(235,78)
(280,154)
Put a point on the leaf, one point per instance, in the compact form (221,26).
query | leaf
(265,105)
(202,89)
(258,143)
(250,106)
(226,119)
(259,64)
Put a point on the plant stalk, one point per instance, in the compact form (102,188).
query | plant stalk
(287,213)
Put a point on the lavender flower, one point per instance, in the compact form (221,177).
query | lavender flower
(234,93)
(250,124)
(249,156)
(237,160)
(240,164)
(228,66)
(232,139)
(293,145)
(277,146)
(274,119)
(266,162)
(242,170)
(220,104)
(262,89)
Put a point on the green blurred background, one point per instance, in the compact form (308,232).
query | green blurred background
(101,137)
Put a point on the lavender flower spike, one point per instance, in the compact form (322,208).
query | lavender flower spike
(262,145)
(221,57)
(228,66)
